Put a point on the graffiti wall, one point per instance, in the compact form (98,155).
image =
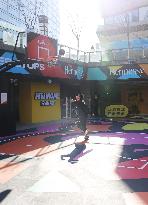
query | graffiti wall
(8,56)
(121,72)
(42,64)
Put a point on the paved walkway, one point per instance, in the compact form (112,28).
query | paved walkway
(111,168)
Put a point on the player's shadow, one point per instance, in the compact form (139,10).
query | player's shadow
(4,194)
(76,153)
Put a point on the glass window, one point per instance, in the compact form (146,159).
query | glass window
(134,16)
(109,20)
(143,13)
(1,35)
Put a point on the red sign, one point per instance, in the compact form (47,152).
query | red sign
(41,47)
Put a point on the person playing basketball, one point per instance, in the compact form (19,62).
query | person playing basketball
(82,112)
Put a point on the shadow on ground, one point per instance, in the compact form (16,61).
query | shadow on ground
(76,153)
(4,194)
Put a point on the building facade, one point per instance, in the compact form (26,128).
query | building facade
(35,87)
(124,38)
(18,18)
(125,27)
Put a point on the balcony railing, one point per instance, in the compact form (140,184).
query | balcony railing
(114,56)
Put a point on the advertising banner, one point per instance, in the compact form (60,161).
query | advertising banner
(122,72)
(55,68)
(64,70)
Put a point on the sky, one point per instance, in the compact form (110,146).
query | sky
(83,17)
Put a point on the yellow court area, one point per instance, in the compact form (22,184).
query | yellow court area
(136,126)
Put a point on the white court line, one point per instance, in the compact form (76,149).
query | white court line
(143,166)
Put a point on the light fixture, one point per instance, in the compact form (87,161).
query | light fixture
(49,81)
(61,52)
(92,49)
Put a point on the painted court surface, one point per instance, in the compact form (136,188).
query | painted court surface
(111,168)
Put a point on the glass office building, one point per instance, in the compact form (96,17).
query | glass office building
(23,15)
(124,24)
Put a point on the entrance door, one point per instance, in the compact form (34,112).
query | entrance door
(7,115)
(66,107)
(135,100)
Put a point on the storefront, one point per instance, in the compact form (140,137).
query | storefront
(7,114)
(120,85)
(36,92)
(39,102)
(33,91)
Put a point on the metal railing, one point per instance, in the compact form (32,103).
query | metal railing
(136,54)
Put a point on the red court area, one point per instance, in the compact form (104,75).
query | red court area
(101,128)
(24,145)
(133,169)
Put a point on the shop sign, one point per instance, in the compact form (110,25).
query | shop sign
(41,66)
(46,98)
(34,66)
(116,111)
(127,73)
(69,70)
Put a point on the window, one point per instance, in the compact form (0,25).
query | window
(134,16)
(143,13)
